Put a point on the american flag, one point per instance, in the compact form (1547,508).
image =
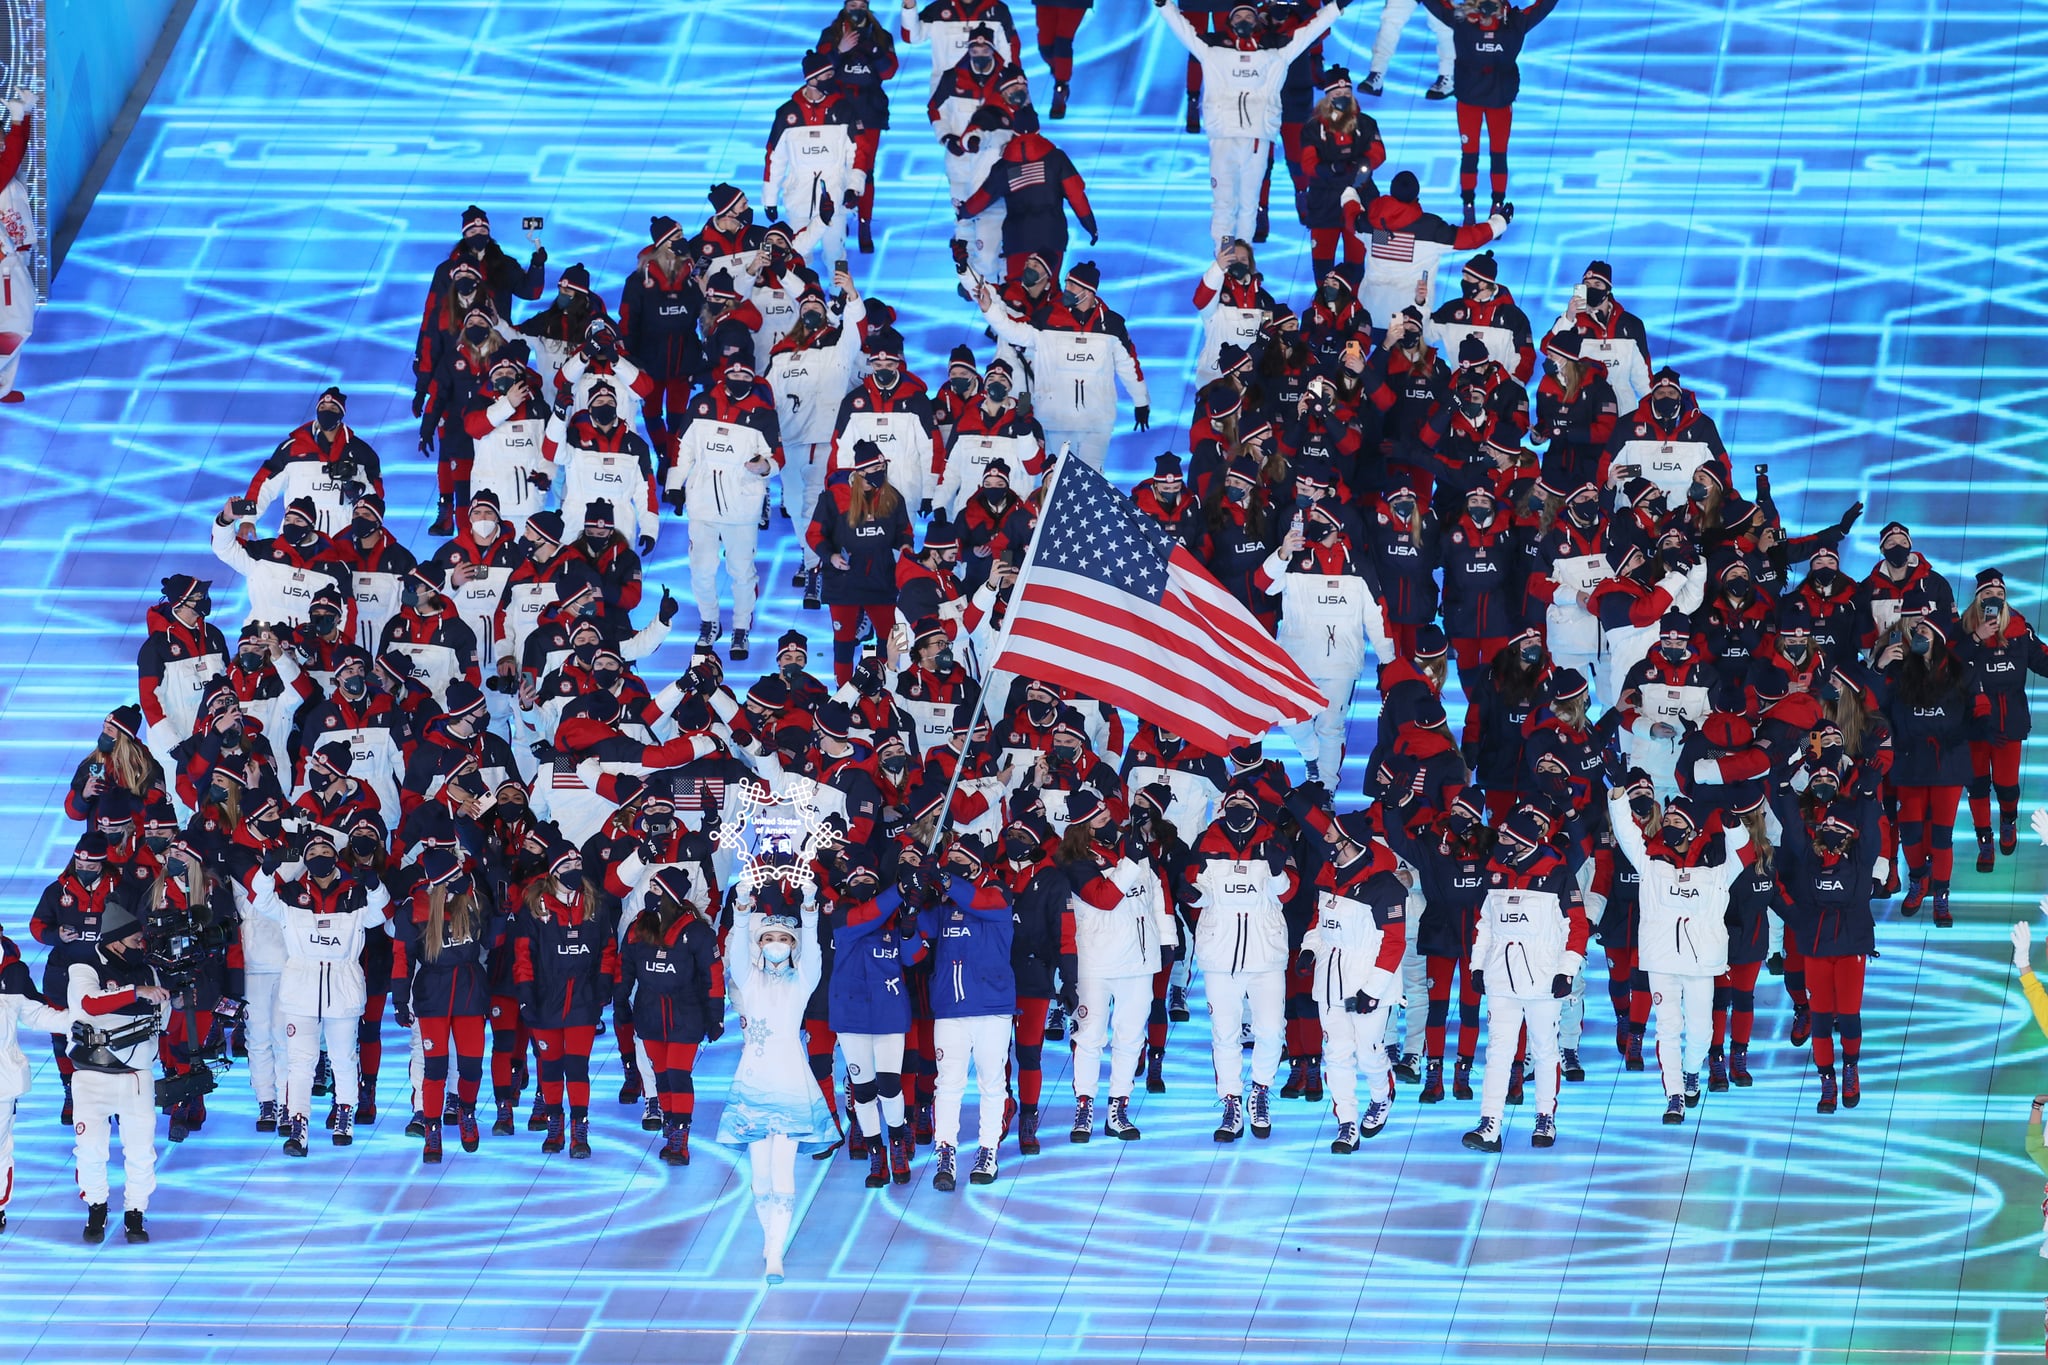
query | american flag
(1113,606)
(1393,246)
(1025,174)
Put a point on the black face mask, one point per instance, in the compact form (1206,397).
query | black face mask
(1665,410)
(1897,555)
(1831,755)
(217,795)
(1031,279)
(1824,792)
(1040,713)
(320,866)
(157,843)
(1794,650)
(1530,655)
(963,385)
(998,390)
(328,418)
(1822,579)
(1239,819)
(1240,270)
(894,763)
(1675,653)
(1328,294)
(886,378)
(571,879)
(1737,591)
(249,661)
(738,388)
(298,533)
(1993,605)
(475,336)
(584,654)
(1470,287)
(980,65)
(364,845)
(354,685)
(604,414)
(1237,493)
(1019,847)
(811,319)
(1553,782)
(1340,104)
(1641,806)
(1596,295)
(1243,28)
(87,876)
(605,678)
(1481,516)
(942,662)
(1583,513)
(362,528)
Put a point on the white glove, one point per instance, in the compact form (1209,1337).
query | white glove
(1498,224)
(2022,944)
(2039,819)
(21,102)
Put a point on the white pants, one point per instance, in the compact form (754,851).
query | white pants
(263,1034)
(17,319)
(1091,446)
(1355,1043)
(1320,738)
(1414,985)
(983,234)
(800,209)
(985,1039)
(99,1098)
(304,1037)
(803,479)
(773,1160)
(416,1066)
(1125,1000)
(1237,165)
(1682,1008)
(7,1150)
(869,1056)
(1505,1016)
(1571,1020)
(736,539)
(1392,20)
(1228,992)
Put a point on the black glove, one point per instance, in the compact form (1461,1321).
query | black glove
(1305,960)
(825,209)
(274,858)
(402,1014)
(1507,211)
(1070,999)
(674,499)
(1360,1003)
(427,444)
(852,199)
(666,612)
(646,546)
(1093,237)
(541,481)
(1613,768)
(1560,986)
(924,507)
(1849,518)
(1469,751)
(367,879)
(1141,418)
(714,1030)
(419,401)
(952,143)
(1478,981)
(1306,797)
(773,213)
(542,750)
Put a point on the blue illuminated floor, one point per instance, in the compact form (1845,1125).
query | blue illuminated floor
(1829,217)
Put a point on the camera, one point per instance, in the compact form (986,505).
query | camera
(532,224)
(499,682)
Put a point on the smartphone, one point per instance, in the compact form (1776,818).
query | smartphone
(839,266)
(533,224)
(1631,471)
(243,507)
(1763,469)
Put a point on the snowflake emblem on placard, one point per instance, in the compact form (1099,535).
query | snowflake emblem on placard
(776,836)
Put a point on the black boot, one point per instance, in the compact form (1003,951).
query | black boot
(1155,1082)
(1194,111)
(1291,1090)
(1312,1084)
(96,1223)
(444,516)
(1060,91)
(867,238)
(1027,1130)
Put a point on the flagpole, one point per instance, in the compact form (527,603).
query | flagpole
(981,692)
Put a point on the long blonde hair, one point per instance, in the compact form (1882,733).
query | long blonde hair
(129,765)
(536,890)
(439,921)
(1759,838)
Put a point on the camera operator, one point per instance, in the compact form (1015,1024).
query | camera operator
(188,918)
(325,913)
(120,1003)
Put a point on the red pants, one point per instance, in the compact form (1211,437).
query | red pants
(565,1062)
(370,1040)
(1057,25)
(1497,121)
(508,1046)
(666,410)
(1994,765)
(1927,830)
(846,634)
(1437,1023)
(1735,1003)
(466,1031)
(920,1063)
(176,1045)
(1029,1024)
(866,144)
(1476,652)
(1836,984)
(673,1065)
(1628,989)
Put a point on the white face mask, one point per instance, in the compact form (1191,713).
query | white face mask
(775,953)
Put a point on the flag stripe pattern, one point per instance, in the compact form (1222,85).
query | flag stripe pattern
(1113,607)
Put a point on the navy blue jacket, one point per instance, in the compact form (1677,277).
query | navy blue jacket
(971,931)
